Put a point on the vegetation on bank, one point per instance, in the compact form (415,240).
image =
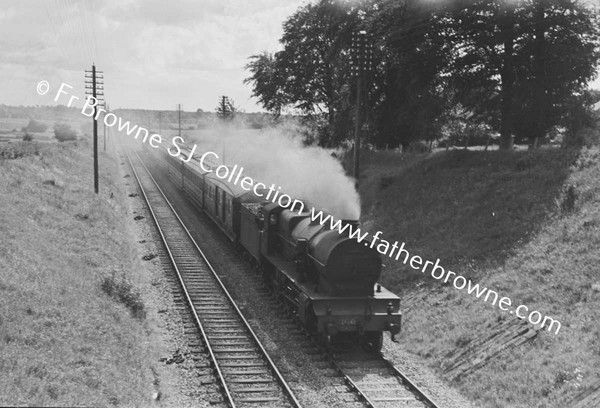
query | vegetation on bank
(526,224)
(64,341)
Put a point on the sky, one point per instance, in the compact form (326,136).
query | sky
(155,54)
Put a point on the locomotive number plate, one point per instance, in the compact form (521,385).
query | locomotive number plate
(347,322)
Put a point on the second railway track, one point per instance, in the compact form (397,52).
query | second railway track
(246,374)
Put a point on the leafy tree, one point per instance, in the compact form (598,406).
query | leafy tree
(311,73)
(559,58)
(520,62)
(481,38)
(269,82)
(408,96)
(517,67)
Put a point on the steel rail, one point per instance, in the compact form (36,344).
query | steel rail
(424,396)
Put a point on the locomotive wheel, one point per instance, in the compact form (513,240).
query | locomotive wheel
(372,341)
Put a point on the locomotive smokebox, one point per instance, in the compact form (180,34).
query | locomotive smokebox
(346,267)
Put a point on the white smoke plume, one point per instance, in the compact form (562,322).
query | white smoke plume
(277,156)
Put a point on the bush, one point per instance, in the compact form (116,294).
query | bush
(122,290)
(27,137)
(18,150)
(64,132)
(35,127)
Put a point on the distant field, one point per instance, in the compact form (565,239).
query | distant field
(13,123)
(11,129)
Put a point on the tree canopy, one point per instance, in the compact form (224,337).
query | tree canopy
(516,67)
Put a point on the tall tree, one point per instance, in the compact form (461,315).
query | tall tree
(311,72)
(482,38)
(559,57)
(519,61)
(408,95)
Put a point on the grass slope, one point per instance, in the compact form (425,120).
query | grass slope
(63,340)
(525,224)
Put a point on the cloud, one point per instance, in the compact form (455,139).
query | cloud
(154,53)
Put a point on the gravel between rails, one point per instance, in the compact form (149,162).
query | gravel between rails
(306,369)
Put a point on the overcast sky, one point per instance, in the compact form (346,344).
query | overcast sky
(154,53)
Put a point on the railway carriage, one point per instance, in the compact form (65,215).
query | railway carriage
(328,279)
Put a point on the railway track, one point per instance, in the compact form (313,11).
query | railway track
(246,374)
(377,382)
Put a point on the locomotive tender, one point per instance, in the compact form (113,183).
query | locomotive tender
(328,279)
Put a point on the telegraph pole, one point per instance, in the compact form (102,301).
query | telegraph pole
(94,85)
(224,105)
(225,108)
(361,54)
(179,118)
(104,128)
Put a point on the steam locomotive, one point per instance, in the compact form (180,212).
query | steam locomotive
(328,279)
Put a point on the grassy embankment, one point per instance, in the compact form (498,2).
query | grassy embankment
(526,224)
(64,341)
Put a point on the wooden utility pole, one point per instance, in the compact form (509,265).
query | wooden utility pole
(104,137)
(224,106)
(179,116)
(361,62)
(225,109)
(94,86)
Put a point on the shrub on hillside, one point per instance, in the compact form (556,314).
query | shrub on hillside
(18,150)
(121,289)
(27,137)
(64,132)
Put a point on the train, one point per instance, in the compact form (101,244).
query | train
(327,279)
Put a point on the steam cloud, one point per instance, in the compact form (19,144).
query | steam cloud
(277,156)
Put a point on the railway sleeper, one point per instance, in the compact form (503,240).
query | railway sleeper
(230,357)
(236,343)
(239,364)
(232,337)
(251,380)
(249,372)
(255,389)
(256,400)
(234,350)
